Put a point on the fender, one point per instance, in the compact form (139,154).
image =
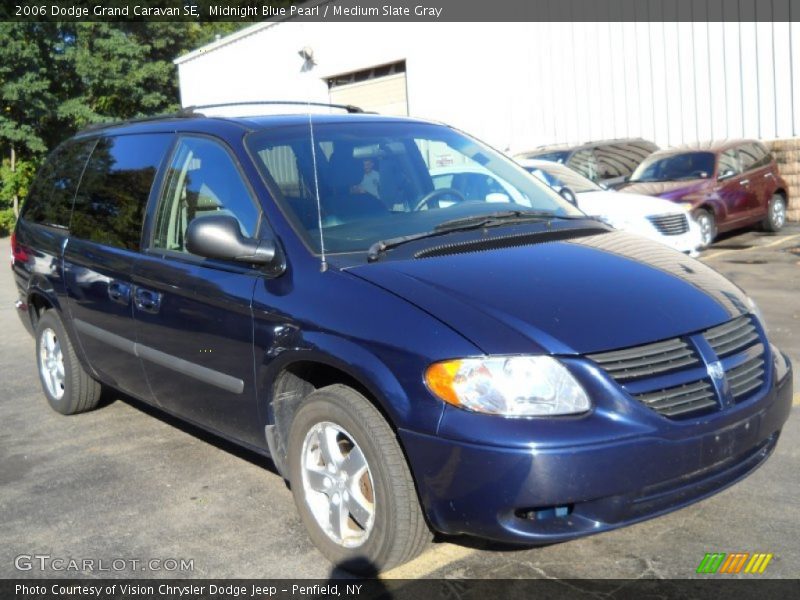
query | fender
(363,366)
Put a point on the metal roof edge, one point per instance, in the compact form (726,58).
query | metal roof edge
(224,41)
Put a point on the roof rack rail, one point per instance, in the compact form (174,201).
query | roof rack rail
(108,124)
(192,110)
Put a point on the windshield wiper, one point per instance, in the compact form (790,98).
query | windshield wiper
(467,223)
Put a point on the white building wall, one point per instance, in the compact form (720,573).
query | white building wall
(520,85)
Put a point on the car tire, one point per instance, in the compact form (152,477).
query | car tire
(68,387)
(776,214)
(365,518)
(708,227)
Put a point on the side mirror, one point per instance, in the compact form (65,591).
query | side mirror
(219,236)
(726,174)
(567,194)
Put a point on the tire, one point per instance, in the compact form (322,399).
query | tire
(708,227)
(776,214)
(363,542)
(68,387)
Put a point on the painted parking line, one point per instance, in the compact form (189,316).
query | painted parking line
(796,399)
(426,563)
(781,240)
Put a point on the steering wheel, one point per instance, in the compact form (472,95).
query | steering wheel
(427,198)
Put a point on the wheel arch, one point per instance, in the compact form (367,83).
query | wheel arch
(290,379)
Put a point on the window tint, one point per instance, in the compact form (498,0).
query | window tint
(675,167)
(114,189)
(753,156)
(203,180)
(620,160)
(729,164)
(584,162)
(50,198)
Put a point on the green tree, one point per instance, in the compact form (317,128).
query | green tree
(56,78)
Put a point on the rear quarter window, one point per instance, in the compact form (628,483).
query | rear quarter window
(50,198)
(113,193)
(754,156)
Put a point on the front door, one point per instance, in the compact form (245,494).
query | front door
(194,315)
(735,192)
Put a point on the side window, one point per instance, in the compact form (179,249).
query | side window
(584,162)
(729,164)
(113,192)
(50,198)
(202,180)
(753,156)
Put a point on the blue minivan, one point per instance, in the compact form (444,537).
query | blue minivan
(413,360)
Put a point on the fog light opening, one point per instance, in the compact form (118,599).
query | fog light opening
(544,513)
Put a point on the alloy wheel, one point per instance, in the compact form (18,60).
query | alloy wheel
(51,363)
(778,210)
(337,484)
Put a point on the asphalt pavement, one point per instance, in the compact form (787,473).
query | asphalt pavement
(125,485)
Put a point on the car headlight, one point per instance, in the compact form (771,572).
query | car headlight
(756,311)
(686,206)
(781,366)
(518,386)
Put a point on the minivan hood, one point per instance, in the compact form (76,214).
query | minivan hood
(672,190)
(588,294)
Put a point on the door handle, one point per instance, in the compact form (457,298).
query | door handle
(119,292)
(147,300)
(744,182)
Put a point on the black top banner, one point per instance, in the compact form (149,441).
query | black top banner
(403,10)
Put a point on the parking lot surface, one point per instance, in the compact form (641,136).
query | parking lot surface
(125,483)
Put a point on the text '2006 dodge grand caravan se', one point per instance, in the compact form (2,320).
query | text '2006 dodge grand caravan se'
(412,360)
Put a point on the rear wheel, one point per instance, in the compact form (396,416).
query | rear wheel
(351,483)
(68,387)
(708,227)
(776,214)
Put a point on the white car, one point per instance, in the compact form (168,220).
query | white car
(654,218)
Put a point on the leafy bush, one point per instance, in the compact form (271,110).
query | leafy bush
(7,221)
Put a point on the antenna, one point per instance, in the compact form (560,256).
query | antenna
(323,264)
(307,53)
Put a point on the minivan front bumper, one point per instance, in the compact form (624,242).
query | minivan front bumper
(540,495)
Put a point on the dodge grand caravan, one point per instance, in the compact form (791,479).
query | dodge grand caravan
(412,360)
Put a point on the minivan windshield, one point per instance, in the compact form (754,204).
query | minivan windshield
(379,180)
(675,167)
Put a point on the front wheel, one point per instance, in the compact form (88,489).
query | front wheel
(776,214)
(351,483)
(708,227)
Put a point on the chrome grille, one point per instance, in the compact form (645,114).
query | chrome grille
(642,361)
(680,400)
(746,378)
(732,336)
(672,224)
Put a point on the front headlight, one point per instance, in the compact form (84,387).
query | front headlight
(756,311)
(518,386)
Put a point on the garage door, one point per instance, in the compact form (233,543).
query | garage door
(371,90)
